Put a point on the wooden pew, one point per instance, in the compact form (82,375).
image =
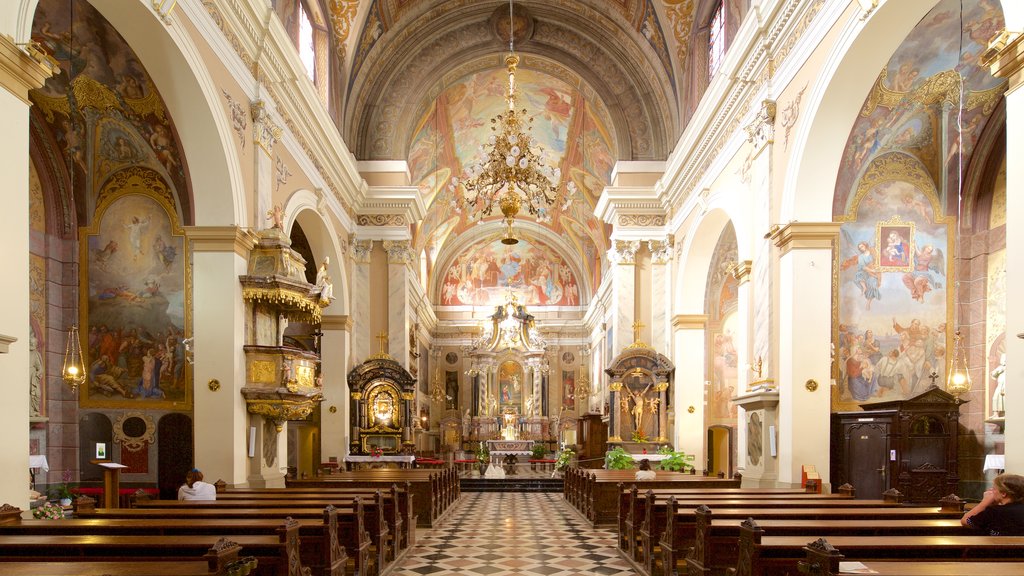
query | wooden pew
(434,491)
(400,494)
(761,555)
(642,515)
(331,537)
(679,534)
(380,518)
(276,554)
(717,541)
(823,559)
(599,501)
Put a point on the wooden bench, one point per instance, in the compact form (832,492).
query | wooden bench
(240,567)
(329,535)
(381,515)
(434,491)
(276,554)
(642,514)
(679,534)
(717,541)
(761,555)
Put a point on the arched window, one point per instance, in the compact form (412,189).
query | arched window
(307,50)
(716,40)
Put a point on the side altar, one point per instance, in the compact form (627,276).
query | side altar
(638,397)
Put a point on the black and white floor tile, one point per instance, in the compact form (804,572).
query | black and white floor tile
(504,534)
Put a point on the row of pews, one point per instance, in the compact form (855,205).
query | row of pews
(779,532)
(360,524)
(595,492)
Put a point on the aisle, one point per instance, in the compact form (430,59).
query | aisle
(498,534)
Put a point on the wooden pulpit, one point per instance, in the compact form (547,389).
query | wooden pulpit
(111,482)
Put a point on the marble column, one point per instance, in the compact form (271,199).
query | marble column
(662,390)
(661,295)
(334,366)
(804,368)
(742,338)
(219,257)
(361,250)
(19,73)
(400,311)
(1009,63)
(623,271)
(614,422)
(688,393)
(266,133)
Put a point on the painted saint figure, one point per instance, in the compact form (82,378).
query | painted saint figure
(867,277)
(135,227)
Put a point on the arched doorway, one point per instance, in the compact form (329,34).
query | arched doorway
(720,451)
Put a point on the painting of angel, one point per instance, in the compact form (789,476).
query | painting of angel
(928,272)
(867,276)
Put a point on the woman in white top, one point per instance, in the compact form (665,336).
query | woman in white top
(195,489)
(645,472)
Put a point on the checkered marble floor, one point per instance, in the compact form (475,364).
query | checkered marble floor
(503,534)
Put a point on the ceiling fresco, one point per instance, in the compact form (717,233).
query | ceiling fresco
(915,101)
(383,15)
(574,132)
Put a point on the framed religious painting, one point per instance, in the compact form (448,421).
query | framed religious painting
(135,298)
(894,240)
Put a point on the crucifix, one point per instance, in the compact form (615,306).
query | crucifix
(636,330)
(933,377)
(383,339)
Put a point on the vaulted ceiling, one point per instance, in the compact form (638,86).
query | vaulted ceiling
(600,77)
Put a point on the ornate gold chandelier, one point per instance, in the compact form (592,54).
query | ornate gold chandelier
(511,173)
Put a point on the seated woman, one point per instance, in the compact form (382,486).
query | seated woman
(1001,510)
(195,489)
(645,472)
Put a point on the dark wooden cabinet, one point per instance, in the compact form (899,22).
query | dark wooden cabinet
(910,445)
(592,437)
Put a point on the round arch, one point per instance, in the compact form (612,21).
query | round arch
(16,19)
(863,48)
(323,240)
(525,228)
(176,66)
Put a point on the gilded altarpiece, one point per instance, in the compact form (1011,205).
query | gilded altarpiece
(135,297)
(382,396)
(892,290)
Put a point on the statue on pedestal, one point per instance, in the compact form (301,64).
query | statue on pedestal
(998,403)
(323,282)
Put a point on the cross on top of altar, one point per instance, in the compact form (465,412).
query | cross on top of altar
(637,343)
(382,338)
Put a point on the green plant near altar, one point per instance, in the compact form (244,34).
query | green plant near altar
(483,454)
(539,451)
(564,459)
(48,511)
(674,461)
(618,459)
(639,436)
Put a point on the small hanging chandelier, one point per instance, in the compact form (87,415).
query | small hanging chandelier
(74,370)
(511,174)
(959,380)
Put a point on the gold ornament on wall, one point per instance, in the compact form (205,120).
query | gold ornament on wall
(213,384)
(811,385)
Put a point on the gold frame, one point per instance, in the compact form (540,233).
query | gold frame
(147,183)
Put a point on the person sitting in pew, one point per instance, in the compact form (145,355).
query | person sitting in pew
(1001,510)
(195,489)
(645,472)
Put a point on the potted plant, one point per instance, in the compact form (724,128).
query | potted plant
(48,511)
(63,493)
(539,451)
(618,459)
(482,456)
(674,461)
(564,459)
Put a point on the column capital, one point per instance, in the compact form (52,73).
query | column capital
(221,239)
(661,250)
(1005,57)
(399,251)
(361,251)
(690,321)
(741,270)
(23,70)
(804,235)
(265,132)
(339,322)
(623,252)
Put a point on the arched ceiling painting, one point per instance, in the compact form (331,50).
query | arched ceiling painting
(569,124)
(916,98)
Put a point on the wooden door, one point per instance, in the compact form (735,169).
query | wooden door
(175,453)
(867,458)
